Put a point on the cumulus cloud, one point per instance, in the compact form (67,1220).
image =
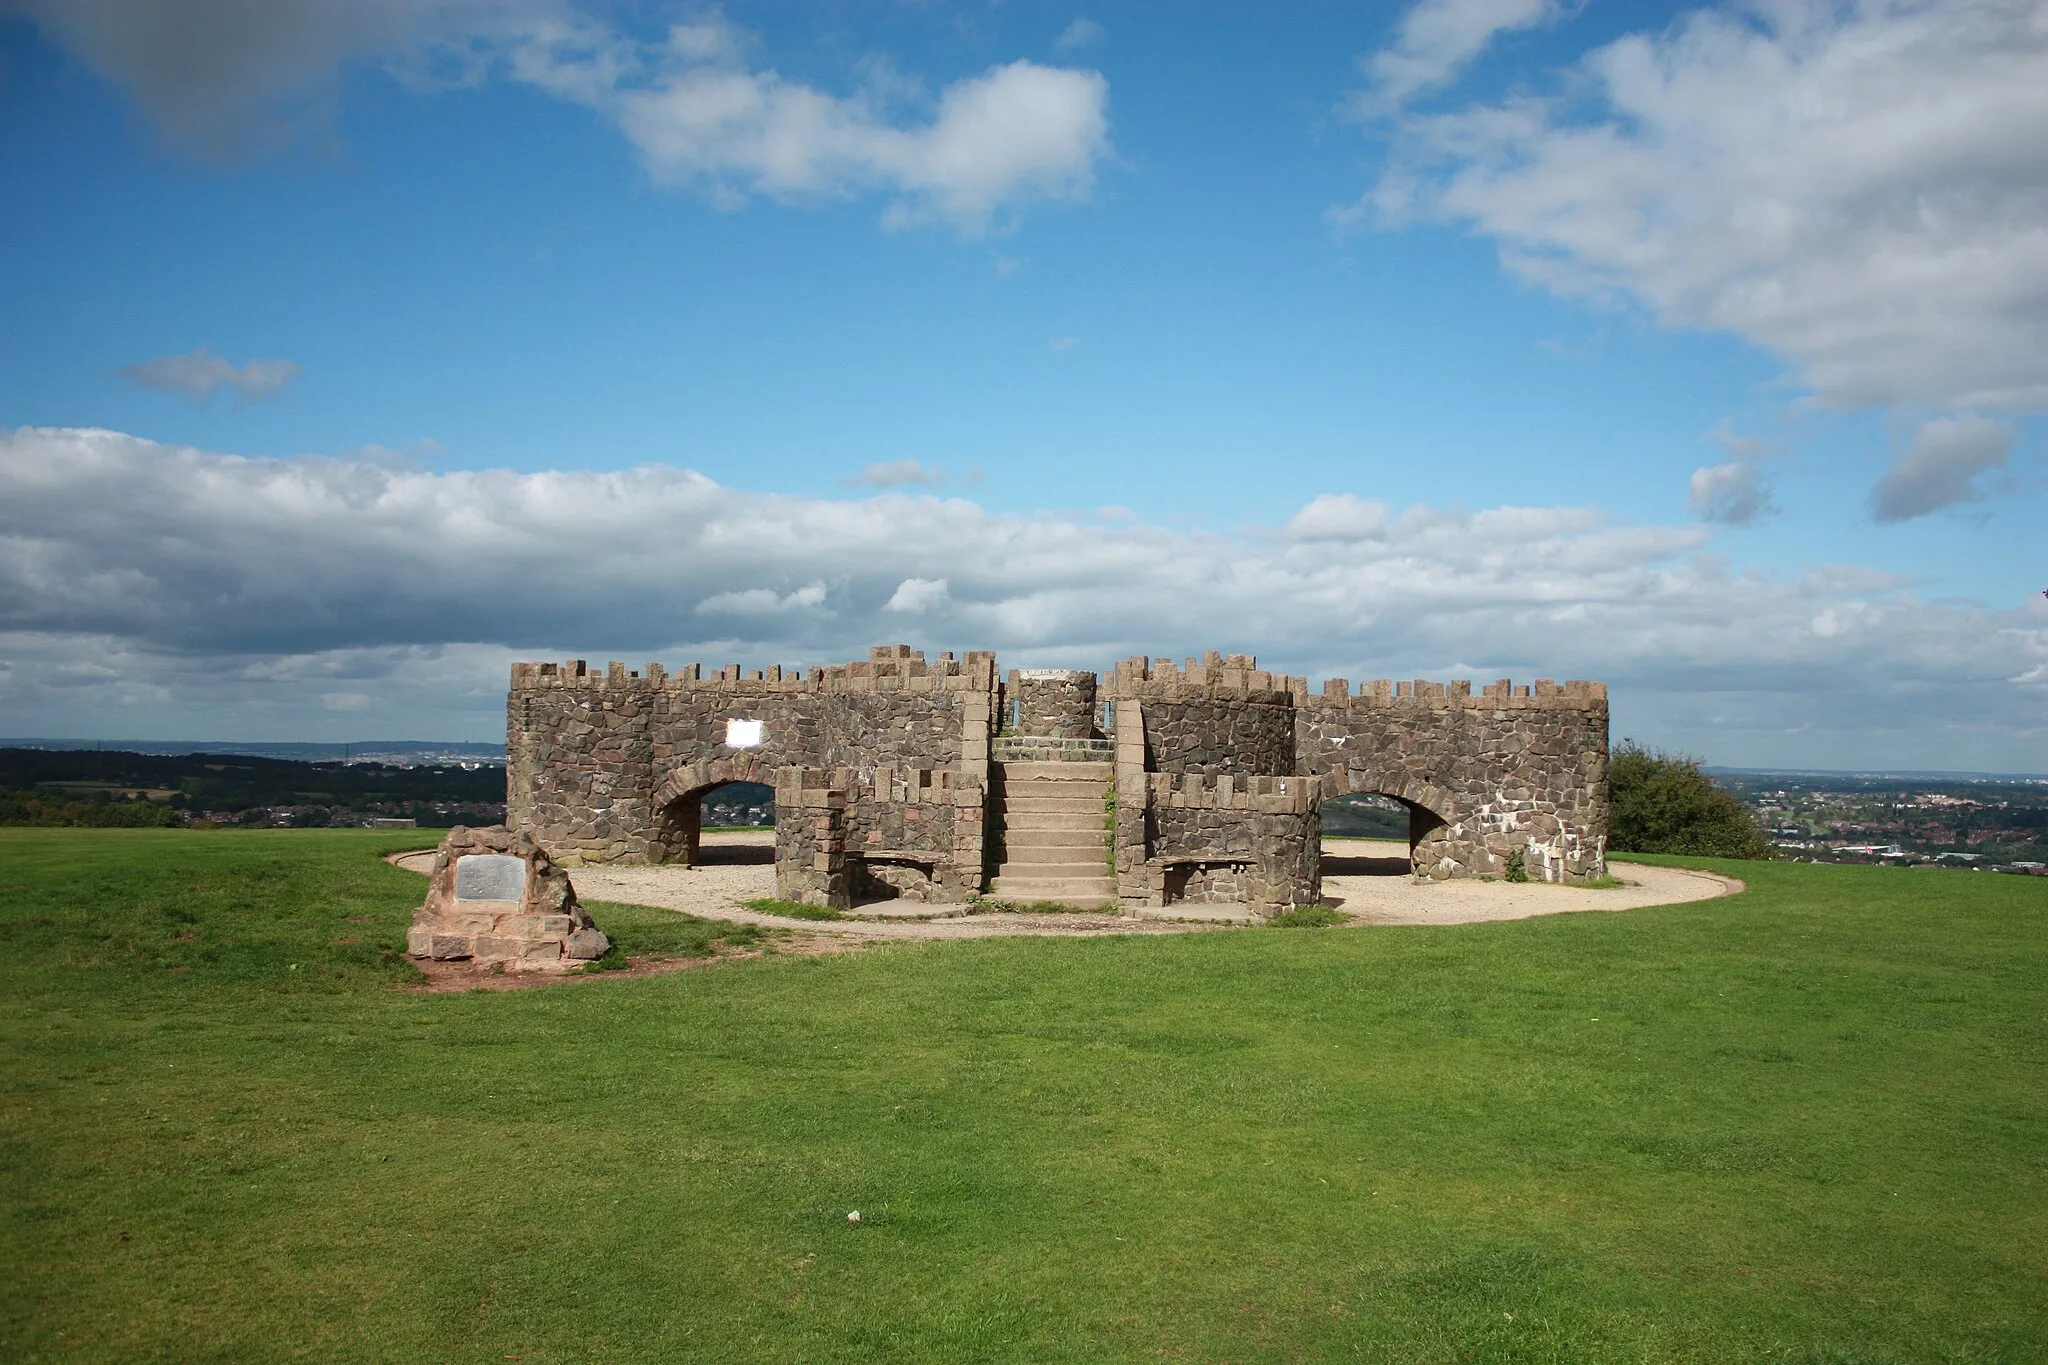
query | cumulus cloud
(895,473)
(229,74)
(1338,516)
(1014,134)
(200,373)
(915,595)
(1731,493)
(1941,466)
(187,574)
(1435,40)
(1855,188)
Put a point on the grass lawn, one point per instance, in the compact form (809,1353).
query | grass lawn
(1809,1123)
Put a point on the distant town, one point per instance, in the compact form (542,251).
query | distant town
(1993,823)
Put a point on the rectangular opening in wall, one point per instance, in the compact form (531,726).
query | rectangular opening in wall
(1208,882)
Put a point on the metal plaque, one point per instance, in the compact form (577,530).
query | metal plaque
(490,877)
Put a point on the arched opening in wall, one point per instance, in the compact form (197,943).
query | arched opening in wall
(1365,830)
(719,822)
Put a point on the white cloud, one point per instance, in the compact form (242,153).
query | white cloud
(915,595)
(1079,34)
(764,601)
(1435,41)
(240,75)
(1861,189)
(1339,516)
(242,591)
(1940,467)
(1730,494)
(894,473)
(700,116)
(200,373)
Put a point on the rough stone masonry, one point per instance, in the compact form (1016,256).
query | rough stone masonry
(889,772)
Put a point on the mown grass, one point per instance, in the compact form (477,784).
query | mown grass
(769,905)
(1809,1123)
(1309,917)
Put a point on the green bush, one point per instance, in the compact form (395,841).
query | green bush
(1663,803)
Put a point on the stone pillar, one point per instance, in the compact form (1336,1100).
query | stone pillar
(1139,884)
(810,838)
(1054,703)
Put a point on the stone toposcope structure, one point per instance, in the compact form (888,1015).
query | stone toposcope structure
(495,896)
(1161,784)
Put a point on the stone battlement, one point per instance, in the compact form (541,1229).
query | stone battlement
(1543,693)
(1230,791)
(908,673)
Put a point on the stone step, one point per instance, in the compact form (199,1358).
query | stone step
(1014,773)
(1017,840)
(912,910)
(1055,867)
(1055,805)
(1202,914)
(1054,819)
(1041,749)
(1038,793)
(1085,892)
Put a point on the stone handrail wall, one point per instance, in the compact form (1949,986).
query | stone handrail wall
(838,827)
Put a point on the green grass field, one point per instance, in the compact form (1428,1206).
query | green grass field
(1809,1123)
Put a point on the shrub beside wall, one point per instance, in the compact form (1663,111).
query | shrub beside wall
(1663,803)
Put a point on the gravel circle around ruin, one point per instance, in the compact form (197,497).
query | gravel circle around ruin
(1365,878)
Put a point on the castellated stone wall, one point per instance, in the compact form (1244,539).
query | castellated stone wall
(1508,771)
(611,766)
(884,777)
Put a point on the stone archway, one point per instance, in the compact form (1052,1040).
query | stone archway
(679,802)
(1430,816)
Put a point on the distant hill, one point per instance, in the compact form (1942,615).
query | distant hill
(44,785)
(367,750)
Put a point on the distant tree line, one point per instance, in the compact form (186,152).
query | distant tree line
(1663,803)
(38,782)
(46,812)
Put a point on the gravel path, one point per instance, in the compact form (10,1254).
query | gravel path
(1365,878)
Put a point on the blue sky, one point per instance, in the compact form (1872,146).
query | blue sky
(1700,350)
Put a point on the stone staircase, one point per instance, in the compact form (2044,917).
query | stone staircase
(1056,840)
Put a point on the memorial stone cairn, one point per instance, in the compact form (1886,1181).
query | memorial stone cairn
(496,897)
